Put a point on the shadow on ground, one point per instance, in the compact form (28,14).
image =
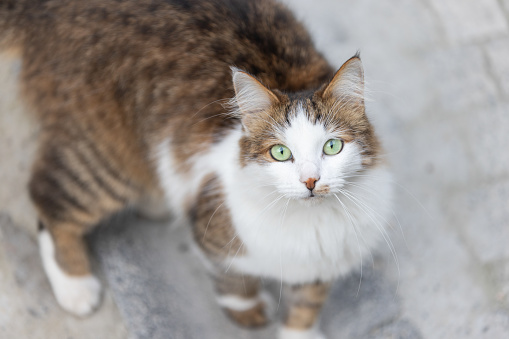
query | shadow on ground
(163,290)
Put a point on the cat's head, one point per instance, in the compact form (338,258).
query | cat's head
(308,144)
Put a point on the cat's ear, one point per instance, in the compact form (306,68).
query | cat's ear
(348,83)
(251,96)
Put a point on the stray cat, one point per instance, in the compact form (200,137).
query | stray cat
(221,111)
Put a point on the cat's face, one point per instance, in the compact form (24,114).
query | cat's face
(306,145)
(314,169)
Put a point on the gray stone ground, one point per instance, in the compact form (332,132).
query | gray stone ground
(438,74)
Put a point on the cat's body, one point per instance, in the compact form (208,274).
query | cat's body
(134,102)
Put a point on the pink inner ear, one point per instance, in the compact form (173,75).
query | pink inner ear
(251,96)
(348,82)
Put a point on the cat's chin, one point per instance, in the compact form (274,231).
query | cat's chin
(311,200)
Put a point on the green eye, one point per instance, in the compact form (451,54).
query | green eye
(333,146)
(280,152)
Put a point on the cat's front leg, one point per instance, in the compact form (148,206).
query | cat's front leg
(240,298)
(305,304)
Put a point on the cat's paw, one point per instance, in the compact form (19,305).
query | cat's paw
(78,295)
(252,318)
(249,313)
(290,333)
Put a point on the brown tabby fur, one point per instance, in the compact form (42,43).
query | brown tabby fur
(306,303)
(214,232)
(246,288)
(110,79)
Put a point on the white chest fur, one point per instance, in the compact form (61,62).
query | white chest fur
(288,240)
(284,238)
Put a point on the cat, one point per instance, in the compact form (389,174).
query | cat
(220,111)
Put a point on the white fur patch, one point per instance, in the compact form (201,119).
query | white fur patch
(78,295)
(171,179)
(181,187)
(290,333)
(236,303)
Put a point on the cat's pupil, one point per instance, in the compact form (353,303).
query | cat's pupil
(331,145)
(281,150)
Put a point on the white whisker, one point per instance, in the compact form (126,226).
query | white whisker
(380,228)
(358,243)
(280,257)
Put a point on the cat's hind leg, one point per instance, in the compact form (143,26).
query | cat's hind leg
(64,258)
(240,298)
(73,189)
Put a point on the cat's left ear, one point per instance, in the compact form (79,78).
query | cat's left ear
(251,97)
(348,83)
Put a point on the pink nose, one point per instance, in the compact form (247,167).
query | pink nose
(310,183)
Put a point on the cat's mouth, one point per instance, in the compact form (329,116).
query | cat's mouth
(318,193)
(311,199)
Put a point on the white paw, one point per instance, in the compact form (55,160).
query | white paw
(236,303)
(79,295)
(290,333)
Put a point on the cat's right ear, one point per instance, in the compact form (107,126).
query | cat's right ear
(251,97)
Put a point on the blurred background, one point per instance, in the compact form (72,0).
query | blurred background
(437,74)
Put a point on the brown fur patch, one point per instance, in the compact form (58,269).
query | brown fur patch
(212,225)
(244,287)
(240,285)
(136,64)
(323,189)
(252,318)
(305,304)
(70,250)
